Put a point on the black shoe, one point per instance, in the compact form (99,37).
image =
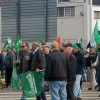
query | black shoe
(76,98)
(90,89)
(96,87)
(98,90)
(99,95)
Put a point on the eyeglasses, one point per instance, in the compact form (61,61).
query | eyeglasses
(22,46)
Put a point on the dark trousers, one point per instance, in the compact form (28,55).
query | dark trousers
(70,89)
(98,77)
(8,74)
(42,96)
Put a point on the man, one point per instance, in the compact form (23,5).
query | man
(97,63)
(71,80)
(80,65)
(9,60)
(57,72)
(37,61)
(46,51)
(24,61)
(3,84)
(91,57)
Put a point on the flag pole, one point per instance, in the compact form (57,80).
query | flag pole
(91,18)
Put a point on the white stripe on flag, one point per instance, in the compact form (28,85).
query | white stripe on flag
(92,41)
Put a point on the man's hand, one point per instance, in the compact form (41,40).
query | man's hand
(46,82)
(15,62)
(92,65)
(86,56)
(27,57)
(37,70)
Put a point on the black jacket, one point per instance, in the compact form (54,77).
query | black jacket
(1,61)
(80,62)
(37,60)
(91,58)
(57,66)
(73,63)
(24,63)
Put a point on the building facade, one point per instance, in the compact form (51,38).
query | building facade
(77,18)
(32,20)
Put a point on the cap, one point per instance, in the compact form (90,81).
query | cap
(67,45)
(48,46)
(9,47)
(74,46)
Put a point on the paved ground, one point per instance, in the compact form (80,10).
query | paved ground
(12,94)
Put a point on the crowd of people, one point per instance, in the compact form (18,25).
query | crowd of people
(63,65)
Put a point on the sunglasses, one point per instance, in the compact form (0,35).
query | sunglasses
(22,46)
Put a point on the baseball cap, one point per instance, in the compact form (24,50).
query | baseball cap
(9,47)
(74,46)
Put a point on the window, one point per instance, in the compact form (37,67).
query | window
(96,14)
(66,11)
(69,11)
(61,11)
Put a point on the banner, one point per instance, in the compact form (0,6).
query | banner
(14,79)
(31,83)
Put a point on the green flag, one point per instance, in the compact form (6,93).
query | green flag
(4,49)
(14,79)
(80,41)
(7,44)
(95,38)
(96,34)
(17,45)
(64,42)
(9,40)
(31,83)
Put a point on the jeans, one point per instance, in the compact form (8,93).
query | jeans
(77,88)
(84,75)
(58,88)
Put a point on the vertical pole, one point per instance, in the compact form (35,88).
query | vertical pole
(17,17)
(0,27)
(45,19)
(91,18)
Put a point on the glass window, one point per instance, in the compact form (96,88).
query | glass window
(96,14)
(61,11)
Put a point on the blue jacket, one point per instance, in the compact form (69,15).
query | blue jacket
(9,58)
(80,62)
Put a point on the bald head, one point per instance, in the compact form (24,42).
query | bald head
(35,45)
(54,45)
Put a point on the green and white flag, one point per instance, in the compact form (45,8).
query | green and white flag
(31,83)
(9,40)
(95,39)
(17,44)
(7,44)
(14,79)
(79,41)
